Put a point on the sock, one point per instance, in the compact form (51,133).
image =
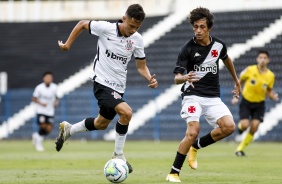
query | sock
(240,128)
(203,141)
(39,140)
(249,137)
(78,127)
(121,131)
(89,124)
(177,164)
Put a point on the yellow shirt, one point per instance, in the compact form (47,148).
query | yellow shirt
(256,83)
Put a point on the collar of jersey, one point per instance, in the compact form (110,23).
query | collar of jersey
(197,43)
(118,31)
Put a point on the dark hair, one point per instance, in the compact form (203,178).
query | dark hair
(263,52)
(136,11)
(47,73)
(200,13)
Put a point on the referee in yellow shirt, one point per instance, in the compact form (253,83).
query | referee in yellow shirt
(258,81)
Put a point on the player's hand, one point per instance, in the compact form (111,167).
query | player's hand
(43,104)
(191,77)
(153,82)
(274,96)
(237,91)
(234,100)
(63,46)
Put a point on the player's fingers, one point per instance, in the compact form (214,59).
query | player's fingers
(153,77)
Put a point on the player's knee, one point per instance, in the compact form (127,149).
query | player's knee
(192,135)
(126,115)
(229,128)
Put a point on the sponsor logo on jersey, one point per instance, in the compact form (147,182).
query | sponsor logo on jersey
(206,68)
(197,54)
(129,44)
(116,95)
(116,56)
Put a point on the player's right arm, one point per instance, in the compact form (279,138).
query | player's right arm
(80,26)
(34,99)
(190,77)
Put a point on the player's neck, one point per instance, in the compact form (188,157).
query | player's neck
(120,26)
(204,42)
(262,69)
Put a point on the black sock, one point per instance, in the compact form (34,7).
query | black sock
(177,164)
(203,141)
(89,124)
(42,132)
(121,129)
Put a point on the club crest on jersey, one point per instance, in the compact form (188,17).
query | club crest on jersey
(214,53)
(116,95)
(129,45)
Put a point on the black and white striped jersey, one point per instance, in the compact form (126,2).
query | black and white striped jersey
(204,61)
(113,54)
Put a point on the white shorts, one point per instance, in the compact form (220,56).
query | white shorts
(212,109)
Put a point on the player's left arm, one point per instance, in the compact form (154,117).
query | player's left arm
(272,94)
(57,101)
(229,65)
(144,71)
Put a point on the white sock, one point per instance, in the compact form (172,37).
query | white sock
(119,143)
(39,140)
(78,127)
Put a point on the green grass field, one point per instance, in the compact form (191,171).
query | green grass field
(83,162)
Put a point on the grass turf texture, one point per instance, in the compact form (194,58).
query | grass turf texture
(83,162)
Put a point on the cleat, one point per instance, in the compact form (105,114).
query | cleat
(240,154)
(39,148)
(173,178)
(121,156)
(63,135)
(193,158)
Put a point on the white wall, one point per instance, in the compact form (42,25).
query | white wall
(26,11)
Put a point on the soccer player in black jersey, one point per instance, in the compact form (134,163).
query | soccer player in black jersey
(197,68)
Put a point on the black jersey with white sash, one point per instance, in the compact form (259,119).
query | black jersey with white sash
(204,61)
(113,54)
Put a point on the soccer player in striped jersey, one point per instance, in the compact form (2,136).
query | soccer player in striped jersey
(197,68)
(117,43)
(258,82)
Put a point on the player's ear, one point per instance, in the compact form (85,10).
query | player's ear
(123,18)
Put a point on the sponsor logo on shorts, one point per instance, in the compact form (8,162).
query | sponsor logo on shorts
(191,109)
(116,95)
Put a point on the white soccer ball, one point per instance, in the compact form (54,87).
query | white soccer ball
(116,170)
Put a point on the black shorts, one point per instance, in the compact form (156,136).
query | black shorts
(41,118)
(251,110)
(108,99)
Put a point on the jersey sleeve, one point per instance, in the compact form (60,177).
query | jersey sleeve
(97,27)
(182,61)
(223,53)
(139,52)
(271,84)
(36,92)
(244,75)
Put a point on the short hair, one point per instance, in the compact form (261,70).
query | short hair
(201,13)
(263,52)
(136,11)
(47,73)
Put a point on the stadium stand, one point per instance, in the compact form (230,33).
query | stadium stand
(161,57)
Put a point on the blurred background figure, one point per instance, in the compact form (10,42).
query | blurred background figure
(258,82)
(45,98)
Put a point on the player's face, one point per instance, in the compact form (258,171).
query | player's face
(201,30)
(47,79)
(130,26)
(262,59)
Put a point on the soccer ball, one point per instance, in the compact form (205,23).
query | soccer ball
(116,170)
